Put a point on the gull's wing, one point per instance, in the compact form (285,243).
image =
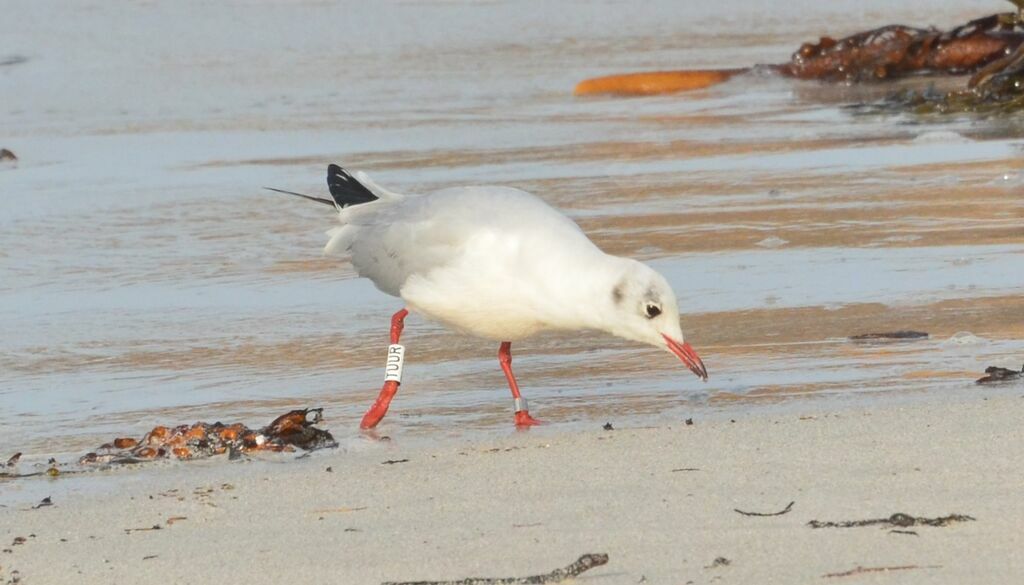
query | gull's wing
(390,243)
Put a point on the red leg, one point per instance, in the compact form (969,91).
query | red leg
(380,406)
(523,418)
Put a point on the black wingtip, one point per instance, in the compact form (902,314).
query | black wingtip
(346,189)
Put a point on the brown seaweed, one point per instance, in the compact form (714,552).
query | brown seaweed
(994,374)
(285,433)
(895,51)
(991,49)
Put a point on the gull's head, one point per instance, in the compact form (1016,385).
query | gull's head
(644,309)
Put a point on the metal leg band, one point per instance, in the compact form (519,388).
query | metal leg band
(519,404)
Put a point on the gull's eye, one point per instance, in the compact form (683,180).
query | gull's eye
(652,310)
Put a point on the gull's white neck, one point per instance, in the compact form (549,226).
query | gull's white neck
(582,295)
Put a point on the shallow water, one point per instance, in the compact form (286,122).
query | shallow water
(145,277)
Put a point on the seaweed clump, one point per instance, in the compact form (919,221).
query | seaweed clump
(897,51)
(991,49)
(996,89)
(995,374)
(285,433)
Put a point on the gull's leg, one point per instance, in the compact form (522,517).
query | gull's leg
(523,418)
(391,379)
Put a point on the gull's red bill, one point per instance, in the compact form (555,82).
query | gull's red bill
(689,356)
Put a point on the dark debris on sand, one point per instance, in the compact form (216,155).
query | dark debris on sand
(285,433)
(902,335)
(898,519)
(581,565)
(995,374)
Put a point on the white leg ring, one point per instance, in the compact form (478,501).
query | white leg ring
(396,359)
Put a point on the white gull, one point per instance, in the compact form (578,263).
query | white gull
(496,263)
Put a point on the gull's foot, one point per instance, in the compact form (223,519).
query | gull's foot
(524,420)
(373,435)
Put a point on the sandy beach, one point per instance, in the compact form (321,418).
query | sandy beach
(661,502)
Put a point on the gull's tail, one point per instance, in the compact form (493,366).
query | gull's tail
(310,197)
(346,189)
(349,194)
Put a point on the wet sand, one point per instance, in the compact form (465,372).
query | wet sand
(145,279)
(661,502)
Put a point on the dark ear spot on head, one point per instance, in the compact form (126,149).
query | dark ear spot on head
(617,294)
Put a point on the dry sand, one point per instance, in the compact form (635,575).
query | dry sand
(659,501)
